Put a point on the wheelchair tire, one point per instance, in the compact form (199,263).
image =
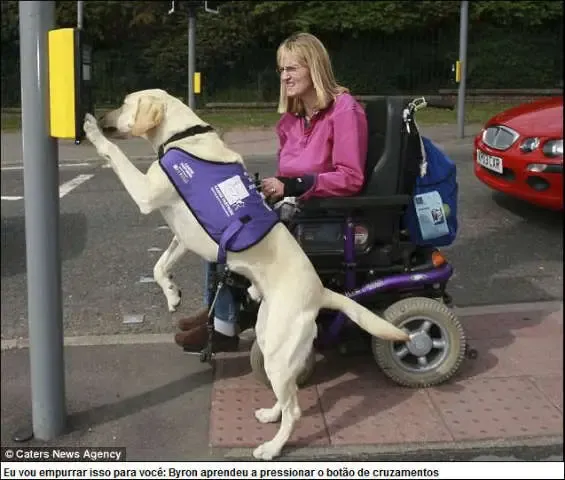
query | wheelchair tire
(258,368)
(440,335)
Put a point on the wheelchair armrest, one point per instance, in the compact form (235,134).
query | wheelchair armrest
(344,204)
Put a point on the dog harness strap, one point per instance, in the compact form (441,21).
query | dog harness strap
(227,239)
(189,132)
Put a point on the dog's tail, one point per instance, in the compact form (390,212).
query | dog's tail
(363,317)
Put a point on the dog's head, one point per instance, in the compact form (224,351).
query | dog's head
(157,116)
(143,114)
(139,115)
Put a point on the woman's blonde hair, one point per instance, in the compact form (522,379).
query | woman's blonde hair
(311,53)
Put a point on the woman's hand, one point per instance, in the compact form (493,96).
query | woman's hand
(272,188)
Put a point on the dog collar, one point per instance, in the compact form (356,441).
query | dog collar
(189,132)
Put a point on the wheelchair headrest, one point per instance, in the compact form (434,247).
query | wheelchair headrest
(384,121)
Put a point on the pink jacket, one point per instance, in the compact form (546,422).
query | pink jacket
(333,149)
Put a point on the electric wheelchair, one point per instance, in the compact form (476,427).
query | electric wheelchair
(372,260)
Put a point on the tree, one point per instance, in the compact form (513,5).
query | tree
(137,44)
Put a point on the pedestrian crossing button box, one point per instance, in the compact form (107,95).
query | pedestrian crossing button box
(70,82)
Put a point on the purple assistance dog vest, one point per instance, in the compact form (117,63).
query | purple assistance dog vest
(223,198)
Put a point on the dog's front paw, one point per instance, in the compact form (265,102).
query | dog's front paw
(95,135)
(91,128)
(173,295)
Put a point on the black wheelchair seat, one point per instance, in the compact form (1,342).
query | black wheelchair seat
(393,161)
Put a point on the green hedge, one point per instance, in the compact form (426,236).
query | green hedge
(369,64)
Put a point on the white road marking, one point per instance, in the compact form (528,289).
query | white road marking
(69,186)
(64,189)
(11,198)
(62,165)
(145,279)
(154,249)
(163,227)
(74,165)
(94,162)
(13,167)
(133,318)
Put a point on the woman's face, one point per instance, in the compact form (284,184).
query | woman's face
(295,77)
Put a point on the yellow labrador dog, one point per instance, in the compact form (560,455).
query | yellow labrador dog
(282,277)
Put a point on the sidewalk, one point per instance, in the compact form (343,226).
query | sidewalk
(249,143)
(264,142)
(164,405)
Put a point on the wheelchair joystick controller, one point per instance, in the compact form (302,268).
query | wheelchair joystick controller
(257,181)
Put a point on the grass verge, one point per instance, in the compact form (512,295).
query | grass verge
(226,120)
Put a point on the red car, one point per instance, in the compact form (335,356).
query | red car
(520,152)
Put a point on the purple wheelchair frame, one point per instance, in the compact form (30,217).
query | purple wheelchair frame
(393,282)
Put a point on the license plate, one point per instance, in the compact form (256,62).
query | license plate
(490,162)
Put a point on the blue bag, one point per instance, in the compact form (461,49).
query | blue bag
(431,217)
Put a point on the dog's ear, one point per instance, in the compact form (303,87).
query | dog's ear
(149,114)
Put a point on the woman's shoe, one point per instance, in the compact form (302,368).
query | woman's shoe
(197,320)
(195,340)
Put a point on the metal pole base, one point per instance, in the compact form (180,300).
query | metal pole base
(25,434)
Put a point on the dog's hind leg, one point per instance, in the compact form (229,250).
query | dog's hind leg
(273,414)
(285,389)
(162,273)
(283,365)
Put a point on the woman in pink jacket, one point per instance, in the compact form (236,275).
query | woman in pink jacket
(322,153)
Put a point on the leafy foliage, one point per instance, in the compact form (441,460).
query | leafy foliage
(10,27)
(376,45)
(389,16)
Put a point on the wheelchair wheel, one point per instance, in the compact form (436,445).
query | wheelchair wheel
(258,368)
(435,351)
